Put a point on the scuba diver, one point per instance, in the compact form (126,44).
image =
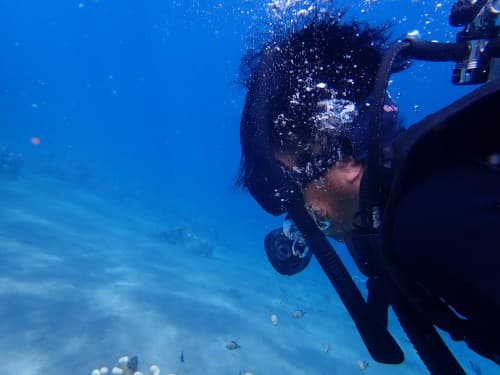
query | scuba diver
(418,207)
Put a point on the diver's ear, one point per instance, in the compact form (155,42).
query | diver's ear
(351,169)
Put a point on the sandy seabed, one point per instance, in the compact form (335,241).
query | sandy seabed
(84,279)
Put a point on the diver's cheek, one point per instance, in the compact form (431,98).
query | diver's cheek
(340,216)
(313,200)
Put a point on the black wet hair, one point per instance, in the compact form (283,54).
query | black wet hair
(325,58)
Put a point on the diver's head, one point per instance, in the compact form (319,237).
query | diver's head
(307,88)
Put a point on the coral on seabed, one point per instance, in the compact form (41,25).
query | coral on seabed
(70,170)
(182,235)
(10,162)
(126,366)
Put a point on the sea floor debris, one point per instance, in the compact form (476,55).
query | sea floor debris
(126,366)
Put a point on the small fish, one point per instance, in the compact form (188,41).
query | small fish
(326,348)
(297,314)
(232,345)
(362,365)
(182,356)
(475,368)
(274,319)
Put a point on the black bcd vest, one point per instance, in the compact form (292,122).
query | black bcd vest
(470,126)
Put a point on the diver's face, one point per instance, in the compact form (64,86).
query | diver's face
(335,196)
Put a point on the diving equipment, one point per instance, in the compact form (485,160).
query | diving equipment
(479,18)
(287,249)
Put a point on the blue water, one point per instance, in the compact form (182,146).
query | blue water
(126,114)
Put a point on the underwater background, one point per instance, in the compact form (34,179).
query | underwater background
(121,230)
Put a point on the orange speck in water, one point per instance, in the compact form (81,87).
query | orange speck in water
(35,140)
